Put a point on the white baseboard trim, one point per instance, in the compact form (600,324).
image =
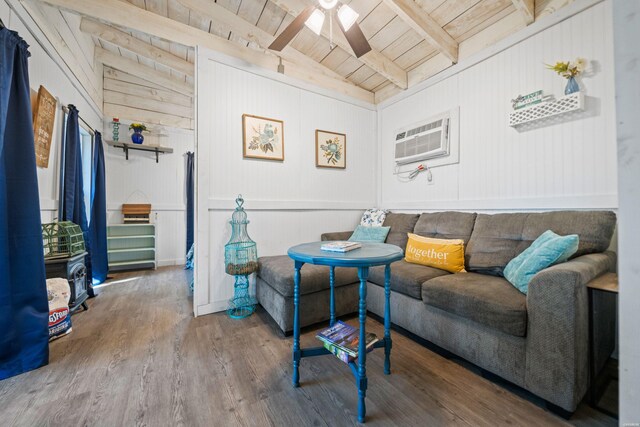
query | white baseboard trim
(213,307)
(169,262)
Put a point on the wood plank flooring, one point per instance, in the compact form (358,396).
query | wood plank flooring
(138,357)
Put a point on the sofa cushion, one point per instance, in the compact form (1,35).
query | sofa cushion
(445,254)
(546,250)
(400,224)
(277,271)
(368,234)
(497,239)
(488,300)
(446,225)
(406,278)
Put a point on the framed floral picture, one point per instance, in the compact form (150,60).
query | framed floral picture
(262,138)
(331,149)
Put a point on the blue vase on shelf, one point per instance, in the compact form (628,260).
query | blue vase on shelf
(137,137)
(572,86)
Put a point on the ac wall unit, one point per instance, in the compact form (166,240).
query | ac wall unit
(425,140)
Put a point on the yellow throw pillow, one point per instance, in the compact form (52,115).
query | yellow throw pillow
(444,254)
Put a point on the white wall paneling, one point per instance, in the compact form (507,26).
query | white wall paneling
(47,68)
(141,180)
(626,24)
(567,164)
(287,202)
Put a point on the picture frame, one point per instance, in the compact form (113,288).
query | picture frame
(331,149)
(262,138)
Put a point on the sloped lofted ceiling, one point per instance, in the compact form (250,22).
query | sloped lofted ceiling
(411,39)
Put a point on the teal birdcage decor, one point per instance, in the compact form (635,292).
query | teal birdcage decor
(62,239)
(241,260)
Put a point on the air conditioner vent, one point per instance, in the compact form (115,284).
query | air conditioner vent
(428,140)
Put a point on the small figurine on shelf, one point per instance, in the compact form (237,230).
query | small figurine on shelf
(116,129)
(136,136)
(570,70)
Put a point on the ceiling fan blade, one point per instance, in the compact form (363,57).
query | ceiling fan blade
(292,30)
(356,39)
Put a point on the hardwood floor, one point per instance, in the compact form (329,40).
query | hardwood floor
(138,357)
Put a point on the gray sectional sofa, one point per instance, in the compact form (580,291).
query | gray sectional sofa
(538,341)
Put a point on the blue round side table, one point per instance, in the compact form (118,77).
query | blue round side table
(369,255)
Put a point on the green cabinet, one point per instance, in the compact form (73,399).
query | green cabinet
(131,246)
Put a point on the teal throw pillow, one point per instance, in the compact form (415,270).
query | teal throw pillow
(365,234)
(546,250)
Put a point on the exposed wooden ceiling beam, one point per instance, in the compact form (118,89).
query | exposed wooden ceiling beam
(229,20)
(427,27)
(373,59)
(126,15)
(527,9)
(147,73)
(137,46)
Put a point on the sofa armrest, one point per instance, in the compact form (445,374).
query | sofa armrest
(558,329)
(336,235)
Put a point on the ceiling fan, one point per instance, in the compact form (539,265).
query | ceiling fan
(313,17)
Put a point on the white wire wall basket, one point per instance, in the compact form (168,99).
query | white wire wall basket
(545,110)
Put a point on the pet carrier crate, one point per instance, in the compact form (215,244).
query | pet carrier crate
(241,260)
(62,239)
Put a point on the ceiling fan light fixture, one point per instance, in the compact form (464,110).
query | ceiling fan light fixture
(315,21)
(328,4)
(347,17)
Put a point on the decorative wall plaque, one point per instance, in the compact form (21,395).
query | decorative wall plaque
(44,115)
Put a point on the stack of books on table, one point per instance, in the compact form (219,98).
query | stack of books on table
(342,246)
(343,341)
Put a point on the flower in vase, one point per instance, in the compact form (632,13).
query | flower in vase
(138,127)
(569,69)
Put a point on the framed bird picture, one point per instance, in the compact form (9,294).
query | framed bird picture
(331,149)
(262,138)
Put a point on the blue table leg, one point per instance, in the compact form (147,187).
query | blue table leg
(387,319)
(332,295)
(296,324)
(363,274)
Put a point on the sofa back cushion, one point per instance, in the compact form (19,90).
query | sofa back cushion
(400,224)
(446,225)
(497,239)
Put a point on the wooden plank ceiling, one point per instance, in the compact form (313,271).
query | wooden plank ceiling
(411,40)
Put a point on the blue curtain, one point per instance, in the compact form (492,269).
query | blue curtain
(24,310)
(98,222)
(72,197)
(190,196)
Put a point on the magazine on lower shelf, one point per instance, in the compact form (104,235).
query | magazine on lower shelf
(340,246)
(343,341)
(343,355)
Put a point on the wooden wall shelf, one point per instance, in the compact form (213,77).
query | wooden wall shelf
(126,146)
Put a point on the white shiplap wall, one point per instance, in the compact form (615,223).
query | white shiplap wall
(569,164)
(287,202)
(141,180)
(626,19)
(47,68)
